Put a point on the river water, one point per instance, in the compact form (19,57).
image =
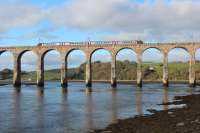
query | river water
(53,109)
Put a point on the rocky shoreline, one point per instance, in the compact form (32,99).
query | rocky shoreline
(179,120)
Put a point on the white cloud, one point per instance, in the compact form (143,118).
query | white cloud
(158,20)
(19,15)
(168,21)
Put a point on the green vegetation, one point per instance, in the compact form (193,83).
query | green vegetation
(126,70)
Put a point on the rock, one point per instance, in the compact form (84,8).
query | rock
(172,115)
(91,131)
(107,131)
(170,112)
(180,124)
(196,121)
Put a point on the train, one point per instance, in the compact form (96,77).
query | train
(91,43)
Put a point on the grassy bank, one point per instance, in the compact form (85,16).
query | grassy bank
(125,70)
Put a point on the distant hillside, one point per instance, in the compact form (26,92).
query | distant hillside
(6,74)
(100,71)
(126,70)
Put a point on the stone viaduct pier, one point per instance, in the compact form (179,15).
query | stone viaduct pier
(64,48)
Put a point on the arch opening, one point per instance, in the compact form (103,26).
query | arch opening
(126,64)
(178,64)
(6,66)
(101,65)
(28,60)
(52,65)
(152,64)
(76,60)
(154,49)
(197,64)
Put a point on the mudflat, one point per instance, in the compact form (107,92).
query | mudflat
(179,120)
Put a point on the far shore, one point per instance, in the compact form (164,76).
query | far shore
(8,82)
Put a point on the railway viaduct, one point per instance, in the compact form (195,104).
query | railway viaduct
(64,48)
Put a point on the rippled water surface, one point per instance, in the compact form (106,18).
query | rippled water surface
(73,110)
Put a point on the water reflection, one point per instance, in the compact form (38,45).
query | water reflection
(40,91)
(165,98)
(40,109)
(64,90)
(64,109)
(88,110)
(138,96)
(88,90)
(17,89)
(52,109)
(114,106)
(17,116)
(190,90)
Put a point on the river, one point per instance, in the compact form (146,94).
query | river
(53,109)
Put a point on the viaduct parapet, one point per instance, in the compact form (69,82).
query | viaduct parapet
(64,48)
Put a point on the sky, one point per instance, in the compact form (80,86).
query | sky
(30,22)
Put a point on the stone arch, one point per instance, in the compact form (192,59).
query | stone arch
(90,56)
(183,48)
(24,51)
(151,47)
(7,51)
(78,64)
(6,64)
(3,51)
(196,51)
(19,57)
(104,71)
(73,49)
(197,64)
(126,64)
(44,58)
(133,50)
(26,66)
(152,68)
(179,47)
(181,72)
(47,51)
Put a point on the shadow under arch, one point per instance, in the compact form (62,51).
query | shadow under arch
(152,64)
(104,71)
(126,64)
(178,64)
